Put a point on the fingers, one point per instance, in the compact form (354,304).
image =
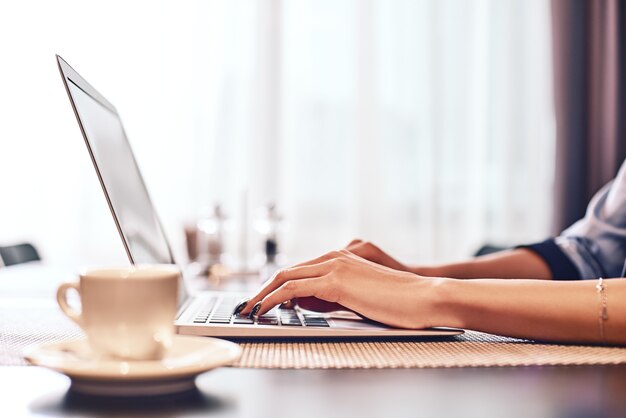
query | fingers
(289,304)
(316,287)
(371,252)
(353,243)
(328,256)
(284,276)
(365,250)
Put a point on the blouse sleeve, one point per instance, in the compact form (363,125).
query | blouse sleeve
(595,246)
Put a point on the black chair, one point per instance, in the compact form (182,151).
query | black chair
(17,254)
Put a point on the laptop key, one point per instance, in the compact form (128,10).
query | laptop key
(219,321)
(246,321)
(317,324)
(267,321)
(292,319)
(291,324)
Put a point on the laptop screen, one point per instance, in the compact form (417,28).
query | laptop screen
(120,175)
(126,193)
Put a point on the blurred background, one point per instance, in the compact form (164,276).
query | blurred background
(428,127)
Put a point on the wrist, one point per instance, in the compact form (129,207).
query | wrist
(446,304)
(427,271)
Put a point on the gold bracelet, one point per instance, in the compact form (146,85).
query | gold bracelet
(603,315)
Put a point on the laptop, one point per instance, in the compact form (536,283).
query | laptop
(208,313)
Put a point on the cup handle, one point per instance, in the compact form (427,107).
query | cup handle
(71,313)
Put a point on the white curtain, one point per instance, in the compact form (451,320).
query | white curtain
(424,126)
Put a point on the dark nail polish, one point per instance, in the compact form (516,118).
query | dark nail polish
(255,309)
(240,306)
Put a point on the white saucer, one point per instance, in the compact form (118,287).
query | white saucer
(176,372)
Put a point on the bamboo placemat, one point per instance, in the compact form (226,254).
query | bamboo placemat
(473,349)
(22,327)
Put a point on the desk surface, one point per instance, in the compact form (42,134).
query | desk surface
(227,392)
(230,392)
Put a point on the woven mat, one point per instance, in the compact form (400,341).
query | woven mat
(37,324)
(21,326)
(473,349)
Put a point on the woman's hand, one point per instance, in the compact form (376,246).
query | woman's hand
(345,280)
(371,252)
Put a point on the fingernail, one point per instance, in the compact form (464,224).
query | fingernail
(255,309)
(240,306)
(288,304)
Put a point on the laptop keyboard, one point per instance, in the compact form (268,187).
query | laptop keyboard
(220,311)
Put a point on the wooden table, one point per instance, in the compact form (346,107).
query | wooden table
(231,392)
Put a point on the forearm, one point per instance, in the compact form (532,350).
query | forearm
(543,310)
(511,264)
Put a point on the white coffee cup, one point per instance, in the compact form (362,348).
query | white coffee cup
(127,313)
